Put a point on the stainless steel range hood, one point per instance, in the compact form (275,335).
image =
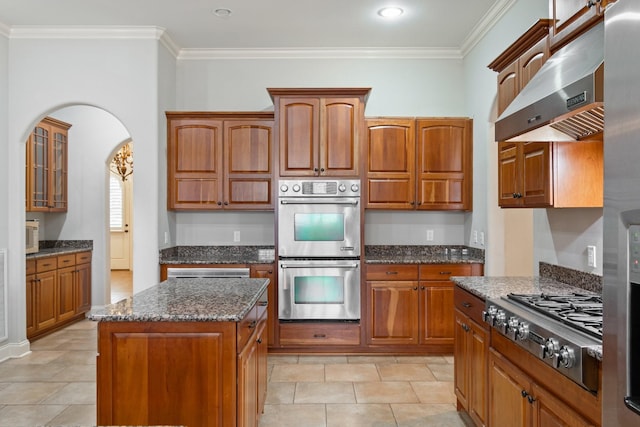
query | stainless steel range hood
(564,100)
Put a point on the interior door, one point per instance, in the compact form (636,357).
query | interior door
(120,222)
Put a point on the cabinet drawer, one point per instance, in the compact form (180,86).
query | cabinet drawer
(246,327)
(310,334)
(444,271)
(46,264)
(31,266)
(66,260)
(392,272)
(469,304)
(83,257)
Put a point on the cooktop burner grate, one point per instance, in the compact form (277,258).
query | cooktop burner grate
(581,311)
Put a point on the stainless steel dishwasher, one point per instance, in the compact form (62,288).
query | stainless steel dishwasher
(207,272)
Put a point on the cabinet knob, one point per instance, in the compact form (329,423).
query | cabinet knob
(315,170)
(423,287)
(219,203)
(259,340)
(412,203)
(226,203)
(321,169)
(415,288)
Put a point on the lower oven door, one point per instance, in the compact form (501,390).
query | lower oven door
(319,290)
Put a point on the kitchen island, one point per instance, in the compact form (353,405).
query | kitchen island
(186,351)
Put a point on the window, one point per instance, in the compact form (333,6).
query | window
(116,203)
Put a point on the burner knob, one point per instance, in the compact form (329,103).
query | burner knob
(296,188)
(549,349)
(355,188)
(523,331)
(513,327)
(342,188)
(489,314)
(564,358)
(284,188)
(501,321)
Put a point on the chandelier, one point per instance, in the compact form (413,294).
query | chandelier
(122,162)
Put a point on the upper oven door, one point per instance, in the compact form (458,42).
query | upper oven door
(319,227)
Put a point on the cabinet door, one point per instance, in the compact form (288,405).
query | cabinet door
(461,374)
(549,411)
(508,86)
(391,163)
(66,294)
(262,375)
(38,170)
(58,170)
(340,130)
(46,299)
(267,271)
(537,189)
(531,62)
(248,171)
(248,385)
(194,156)
(436,313)
(393,312)
(299,133)
(509,174)
(83,288)
(478,361)
(444,164)
(31,304)
(508,392)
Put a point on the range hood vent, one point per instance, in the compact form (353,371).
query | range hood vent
(564,100)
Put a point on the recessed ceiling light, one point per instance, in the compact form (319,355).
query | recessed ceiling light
(390,12)
(223,13)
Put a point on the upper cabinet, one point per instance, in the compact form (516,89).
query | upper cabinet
(573,17)
(46,167)
(520,62)
(219,160)
(423,164)
(319,130)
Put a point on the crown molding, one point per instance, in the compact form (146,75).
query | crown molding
(5,30)
(85,32)
(487,22)
(321,53)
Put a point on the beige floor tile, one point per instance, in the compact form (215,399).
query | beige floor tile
(449,359)
(434,391)
(297,373)
(323,359)
(294,416)
(28,393)
(83,325)
(280,393)
(76,373)
(76,415)
(421,359)
(374,415)
(371,359)
(405,372)
(426,415)
(23,373)
(77,393)
(78,357)
(28,415)
(352,372)
(442,372)
(37,358)
(282,359)
(385,392)
(324,393)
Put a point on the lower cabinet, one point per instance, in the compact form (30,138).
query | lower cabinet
(471,352)
(268,271)
(411,304)
(516,400)
(183,373)
(58,290)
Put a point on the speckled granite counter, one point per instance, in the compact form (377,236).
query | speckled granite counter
(61,247)
(496,287)
(187,300)
(217,255)
(414,254)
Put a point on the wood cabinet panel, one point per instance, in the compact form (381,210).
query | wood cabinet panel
(531,61)
(436,308)
(571,18)
(248,385)
(508,388)
(31,303)
(342,122)
(393,312)
(384,272)
(508,86)
(83,288)
(46,298)
(299,136)
(268,271)
(319,334)
(66,304)
(537,174)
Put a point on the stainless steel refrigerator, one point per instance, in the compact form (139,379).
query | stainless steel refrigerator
(621,260)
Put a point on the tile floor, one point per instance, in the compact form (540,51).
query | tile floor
(55,386)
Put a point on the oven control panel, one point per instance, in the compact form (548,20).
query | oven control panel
(319,188)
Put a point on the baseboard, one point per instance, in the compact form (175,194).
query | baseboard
(14,350)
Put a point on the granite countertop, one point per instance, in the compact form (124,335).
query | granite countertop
(496,287)
(420,259)
(61,247)
(187,300)
(418,254)
(217,255)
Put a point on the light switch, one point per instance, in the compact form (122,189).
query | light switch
(591,256)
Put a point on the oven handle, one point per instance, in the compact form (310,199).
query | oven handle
(319,202)
(319,266)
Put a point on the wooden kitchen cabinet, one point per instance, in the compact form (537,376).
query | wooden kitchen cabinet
(220,161)
(545,174)
(471,354)
(423,164)
(521,61)
(252,377)
(515,400)
(58,292)
(571,18)
(46,167)
(413,305)
(268,271)
(319,130)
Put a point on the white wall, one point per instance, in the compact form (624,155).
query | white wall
(4,189)
(481,89)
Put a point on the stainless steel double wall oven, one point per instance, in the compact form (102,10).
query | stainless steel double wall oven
(319,249)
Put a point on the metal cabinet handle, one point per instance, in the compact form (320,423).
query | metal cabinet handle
(252,324)
(466,304)
(263,303)
(391,272)
(319,335)
(445,272)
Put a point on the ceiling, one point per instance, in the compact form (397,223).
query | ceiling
(272,24)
